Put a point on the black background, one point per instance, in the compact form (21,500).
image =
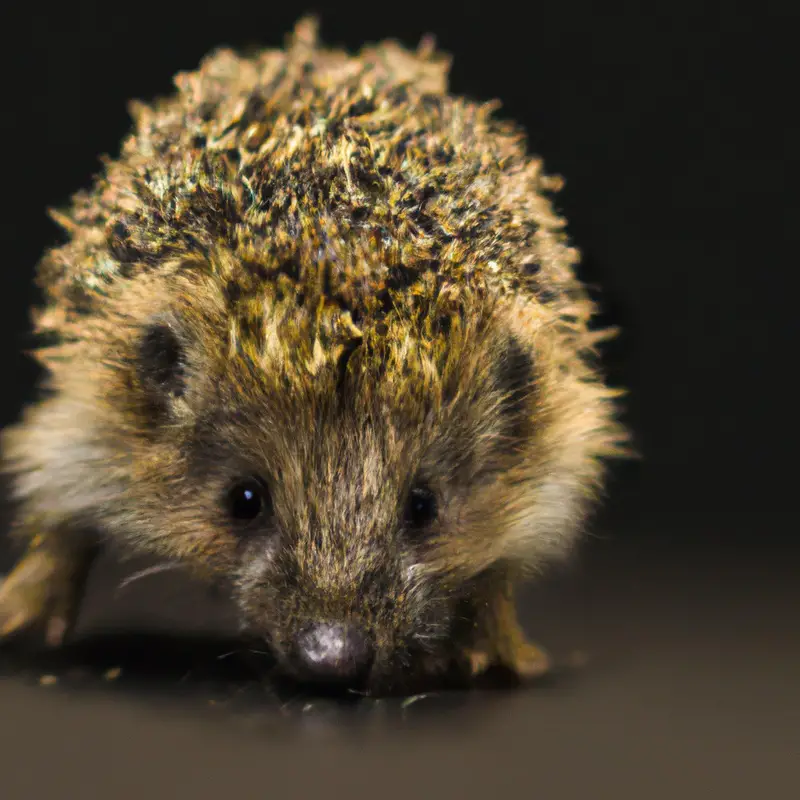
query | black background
(673,125)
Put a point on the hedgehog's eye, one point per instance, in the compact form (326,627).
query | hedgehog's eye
(421,507)
(247,500)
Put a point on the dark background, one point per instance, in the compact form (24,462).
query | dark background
(673,125)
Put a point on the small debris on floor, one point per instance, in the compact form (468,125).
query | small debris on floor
(112,674)
(48,680)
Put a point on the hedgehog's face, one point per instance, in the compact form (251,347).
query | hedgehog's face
(332,567)
(354,504)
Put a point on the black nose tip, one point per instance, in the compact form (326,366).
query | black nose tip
(333,652)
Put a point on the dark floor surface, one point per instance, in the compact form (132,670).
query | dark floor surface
(680,655)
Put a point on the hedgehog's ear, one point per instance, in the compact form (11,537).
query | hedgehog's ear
(515,383)
(162,361)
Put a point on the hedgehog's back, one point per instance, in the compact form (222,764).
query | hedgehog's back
(311,172)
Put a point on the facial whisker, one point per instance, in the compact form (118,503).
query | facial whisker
(144,573)
(228,655)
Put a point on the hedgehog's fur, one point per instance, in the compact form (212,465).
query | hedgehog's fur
(324,269)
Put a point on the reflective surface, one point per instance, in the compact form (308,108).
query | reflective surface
(678,661)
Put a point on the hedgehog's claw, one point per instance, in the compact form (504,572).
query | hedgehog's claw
(525,660)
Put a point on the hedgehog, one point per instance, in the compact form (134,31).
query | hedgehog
(317,334)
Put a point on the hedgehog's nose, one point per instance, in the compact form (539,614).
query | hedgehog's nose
(333,652)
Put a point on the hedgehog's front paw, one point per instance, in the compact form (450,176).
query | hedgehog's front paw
(36,597)
(500,641)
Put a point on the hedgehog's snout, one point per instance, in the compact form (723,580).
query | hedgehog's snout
(332,653)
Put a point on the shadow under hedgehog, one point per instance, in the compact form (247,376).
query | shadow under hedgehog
(317,333)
